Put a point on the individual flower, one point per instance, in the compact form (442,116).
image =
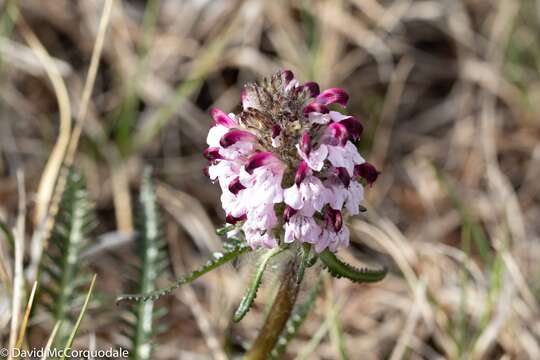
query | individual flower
(288,164)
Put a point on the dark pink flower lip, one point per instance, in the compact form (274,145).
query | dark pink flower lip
(335,218)
(288,213)
(333,96)
(301,173)
(276,130)
(236,186)
(287,76)
(205,171)
(233,220)
(354,127)
(367,172)
(316,107)
(221,118)
(260,159)
(313,88)
(339,134)
(233,136)
(344,176)
(305,143)
(212,153)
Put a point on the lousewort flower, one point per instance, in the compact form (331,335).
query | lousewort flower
(287,164)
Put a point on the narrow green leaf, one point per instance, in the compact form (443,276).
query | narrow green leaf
(217,260)
(249,297)
(149,245)
(71,337)
(9,236)
(339,268)
(62,257)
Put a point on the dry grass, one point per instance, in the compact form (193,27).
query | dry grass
(448,91)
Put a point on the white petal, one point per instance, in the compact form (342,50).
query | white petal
(318,118)
(215,134)
(337,116)
(316,158)
(293,197)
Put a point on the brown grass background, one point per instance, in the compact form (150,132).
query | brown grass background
(449,95)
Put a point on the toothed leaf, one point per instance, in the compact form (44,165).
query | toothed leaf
(249,297)
(216,261)
(150,251)
(62,256)
(339,268)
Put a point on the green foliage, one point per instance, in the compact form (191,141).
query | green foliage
(230,253)
(471,228)
(307,260)
(77,325)
(62,260)
(249,297)
(152,260)
(297,318)
(7,233)
(339,268)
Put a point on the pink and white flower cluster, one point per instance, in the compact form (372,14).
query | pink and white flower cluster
(287,164)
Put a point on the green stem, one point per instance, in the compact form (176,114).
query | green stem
(278,315)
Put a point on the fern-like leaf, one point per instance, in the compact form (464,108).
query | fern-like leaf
(150,244)
(218,259)
(62,262)
(297,318)
(249,297)
(339,268)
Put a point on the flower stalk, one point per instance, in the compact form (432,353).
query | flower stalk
(279,313)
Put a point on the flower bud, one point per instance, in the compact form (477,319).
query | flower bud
(316,107)
(233,220)
(212,153)
(305,143)
(260,159)
(367,172)
(301,173)
(220,118)
(313,88)
(333,96)
(236,186)
(234,136)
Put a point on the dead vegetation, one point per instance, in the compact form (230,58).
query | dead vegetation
(448,92)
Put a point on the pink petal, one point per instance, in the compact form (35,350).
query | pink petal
(233,220)
(305,143)
(301,173)
(261,159)
(235,186)
(234,136)
(316,107)
(221,118)
(333,96)
(212,153)
(336,134)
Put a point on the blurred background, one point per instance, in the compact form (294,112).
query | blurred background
(449,95)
